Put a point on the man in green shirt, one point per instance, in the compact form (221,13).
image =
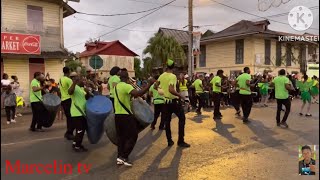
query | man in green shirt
(243,82)
(158,102)
(197,84)
(113,81)
(168,83)
(282,86)
(78,110)
(216,88)
(65,83)
(36,104)
(126,125)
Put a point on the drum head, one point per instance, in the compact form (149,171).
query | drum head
(142,112)
(51,102)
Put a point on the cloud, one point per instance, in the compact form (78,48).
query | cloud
(206,12)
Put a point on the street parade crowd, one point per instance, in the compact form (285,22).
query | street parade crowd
(168,93)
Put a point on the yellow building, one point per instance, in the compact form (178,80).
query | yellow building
(112,54)
(32,39)
(253,45)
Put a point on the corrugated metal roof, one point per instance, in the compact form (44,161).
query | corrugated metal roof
(180,36)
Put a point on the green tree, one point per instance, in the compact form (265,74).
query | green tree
(137,68)
(162,48)
(74,64)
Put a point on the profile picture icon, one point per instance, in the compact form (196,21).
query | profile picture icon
(307,160)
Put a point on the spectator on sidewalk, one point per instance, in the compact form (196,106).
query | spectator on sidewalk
(18,91)
(10,104)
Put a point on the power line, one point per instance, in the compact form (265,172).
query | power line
(120,14)
(112,26)
(286,13)
(251,13)
(127,23)
(157,3)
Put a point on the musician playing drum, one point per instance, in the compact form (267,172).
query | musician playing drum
(167,82)
(126,124)
(216,88)
(158,102)
(113,80)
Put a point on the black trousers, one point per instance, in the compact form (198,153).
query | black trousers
(127,132)
(246,105)
(112,100)
(80,124)
(10,112)
(174,107)
(235,99)
(287,104)
(38,110)
(200,98)
(158,109)
(216,103)
(66,105)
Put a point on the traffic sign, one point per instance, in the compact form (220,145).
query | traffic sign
(96,62)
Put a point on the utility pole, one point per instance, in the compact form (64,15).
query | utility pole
(190,51)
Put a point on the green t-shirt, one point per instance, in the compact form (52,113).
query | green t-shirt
(65,84)
(113,79)
(157,99)
(78,98)
(124,95)
(198,86)
(242,83)
(34,95)
(214,81)
(280,87)
(304,86)
(183,85)
(264,87)
(167,79)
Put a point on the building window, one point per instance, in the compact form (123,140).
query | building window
(202,62)
(289,55)
(35,18)
(239,51)
(278,54)
(267,52)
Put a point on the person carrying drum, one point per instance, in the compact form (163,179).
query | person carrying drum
(65,83)
(112,82)
(158,102)
(78,96)
(35,100)
(126,124)
(167,82)
(216,88)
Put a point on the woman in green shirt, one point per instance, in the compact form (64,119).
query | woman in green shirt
(113,81)
(304,87)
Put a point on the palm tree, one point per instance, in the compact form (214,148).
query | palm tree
(162,48)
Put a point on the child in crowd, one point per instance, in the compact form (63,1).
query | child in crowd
(10,104)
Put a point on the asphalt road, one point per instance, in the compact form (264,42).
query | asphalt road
(225,149)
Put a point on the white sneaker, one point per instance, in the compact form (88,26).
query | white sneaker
(8,122)
(120,161)
(15,116)
(19,114)
(14,121)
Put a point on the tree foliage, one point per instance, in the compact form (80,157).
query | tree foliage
(137,68)
(162,48)
(73,65)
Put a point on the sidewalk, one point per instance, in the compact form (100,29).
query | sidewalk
(23,111)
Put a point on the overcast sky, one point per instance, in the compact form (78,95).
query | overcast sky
(78,30)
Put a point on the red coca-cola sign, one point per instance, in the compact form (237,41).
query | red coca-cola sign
(20,43)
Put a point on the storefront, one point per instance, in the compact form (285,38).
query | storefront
(21,56)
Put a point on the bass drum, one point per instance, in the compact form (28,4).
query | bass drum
(97,110)
(51,103)
(142,113)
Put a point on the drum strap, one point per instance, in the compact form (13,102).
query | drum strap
(123,106)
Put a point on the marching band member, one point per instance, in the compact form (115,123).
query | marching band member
(197,84)
(65,83)
(167,82)
(216,88)
(126,124)
(112,82)
(78,108)
(158,102)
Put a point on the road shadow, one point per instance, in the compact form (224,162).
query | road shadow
(144,144)
(170,172)
(199,118)
(222,129)
(264,135)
